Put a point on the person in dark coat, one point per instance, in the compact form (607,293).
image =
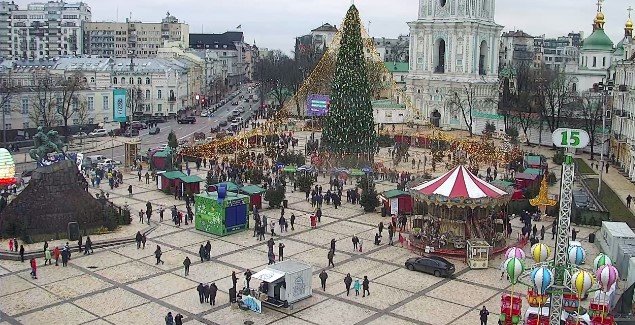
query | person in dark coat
(157,254)
(187,264)
(355,241)
(178,319)
(318,214)
(333,245)
(380,227)
(323,276)
(65,256)
(201,292)
(292,221)
(208,250)
(247,277)
(138,239)
(201,252)
(234,279)
(22,253)
(365,286)
(206,292)
(169,320)
(281,252)
(347,283)
(330,256)
(483,315)
(213,289)
(377,239)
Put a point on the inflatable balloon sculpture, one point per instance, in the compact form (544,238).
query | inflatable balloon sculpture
(541,279)
(540,252)
(513,267)
(576,255)
(581,282)
(606,276)
(600,261)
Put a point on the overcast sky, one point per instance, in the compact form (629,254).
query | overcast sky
(275,23)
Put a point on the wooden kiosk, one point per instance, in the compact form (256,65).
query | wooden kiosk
(478,254)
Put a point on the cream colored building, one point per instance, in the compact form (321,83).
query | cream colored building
(133,38)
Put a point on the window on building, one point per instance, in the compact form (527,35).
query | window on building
(148,107)
(595,61)
(147,80)
(7,126)
(25,106)
(131,81)
(75,104)
(105,103)
(439,56)
(139,81)
(482,59)
(604,62)
(159,94)
(574,87)
(123,80)
(25,125)
(90,103)
(114,80)
(159,107)
(92,80)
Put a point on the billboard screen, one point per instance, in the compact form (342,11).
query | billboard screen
(119,105)
(317,105)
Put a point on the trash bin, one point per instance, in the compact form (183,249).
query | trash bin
(284,203)
(592,238)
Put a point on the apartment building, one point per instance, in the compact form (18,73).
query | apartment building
(393,49)
(557,52)
(517,47)
(133,38)
(225,57)
(42,29)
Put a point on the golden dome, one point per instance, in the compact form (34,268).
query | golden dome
(599,17)
(629,24)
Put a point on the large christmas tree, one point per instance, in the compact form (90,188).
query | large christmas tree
(349,127)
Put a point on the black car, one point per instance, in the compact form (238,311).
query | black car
(186,120)
(432,265)
(222,123)
(131,132)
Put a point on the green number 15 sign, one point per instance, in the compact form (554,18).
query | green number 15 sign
(570,138)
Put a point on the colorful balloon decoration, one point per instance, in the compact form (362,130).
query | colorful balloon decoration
(581,282)
(600,261)
(542,279)
(606,275)
(515,252)
(7,168)
(540,252)
(576,255)
(514,267)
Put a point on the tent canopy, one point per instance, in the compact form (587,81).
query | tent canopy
(191,179)
(252,189)
(394,193)
(459,183)
(230,186)
(173,175)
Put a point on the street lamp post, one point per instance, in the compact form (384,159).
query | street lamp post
(606,90)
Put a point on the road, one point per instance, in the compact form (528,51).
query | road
(183,131)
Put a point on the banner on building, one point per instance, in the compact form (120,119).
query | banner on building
(317,105)
(119,105)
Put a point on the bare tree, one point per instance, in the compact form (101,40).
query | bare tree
(556,94)
(521,105)
(82,112)
(217,89)
(69,89)
(45,105)
(378,78)
(590,116)
(134,99)
(463,101)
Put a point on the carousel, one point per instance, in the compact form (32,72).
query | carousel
(459,207)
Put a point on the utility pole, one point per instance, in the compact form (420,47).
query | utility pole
(606,90)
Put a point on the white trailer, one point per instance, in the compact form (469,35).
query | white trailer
(611,235)
(286,282)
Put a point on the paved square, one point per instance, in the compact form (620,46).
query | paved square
(331,312)
(110,302)
(23,301)
(69,313)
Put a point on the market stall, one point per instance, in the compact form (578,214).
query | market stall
(222,212)
(396,202)
(161,160)
(191,184)
(170,181)
(523,180)
(460,206)
(255,194)
(284,283)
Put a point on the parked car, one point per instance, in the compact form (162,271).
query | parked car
(98,133)
(186,120)
(236,112)
(108,162)
(157,119)
(214,129)
(131,132)
(242,110)
(432,265)
(138,125)
(204,114)
(235,103)
(80,135)
(222,123)
(154,130)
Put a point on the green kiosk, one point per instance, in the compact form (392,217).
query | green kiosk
(221,213)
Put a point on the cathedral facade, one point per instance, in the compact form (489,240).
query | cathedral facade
(453,78)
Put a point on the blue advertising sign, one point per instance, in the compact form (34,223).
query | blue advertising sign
(317,105)
(119,105)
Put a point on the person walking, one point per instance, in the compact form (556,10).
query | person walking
(178,319)
(365,286)
(380,227)
(15,244)
(47,256)
(574,234)
(357,285)
(206,292)
(66,255)
(247,277)
(201,253)
(129,190)
(88,246)
(208,251)
(323,276)
(213,289)
(157,254)
(483,315)
(553,230)
(330,256)
(234,279)
(138,239)
(33,268)
(201,294)
(629,198)
(143,241)
(56,255)
(187,264)
(333,245)
(355,241)
(169,320)
(281,252)
(292,221)
(10,245)
(347,283)
(22,253)
(542,232)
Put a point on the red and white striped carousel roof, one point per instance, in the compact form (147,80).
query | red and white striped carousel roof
(460,183)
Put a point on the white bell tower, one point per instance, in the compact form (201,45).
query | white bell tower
(454,49)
